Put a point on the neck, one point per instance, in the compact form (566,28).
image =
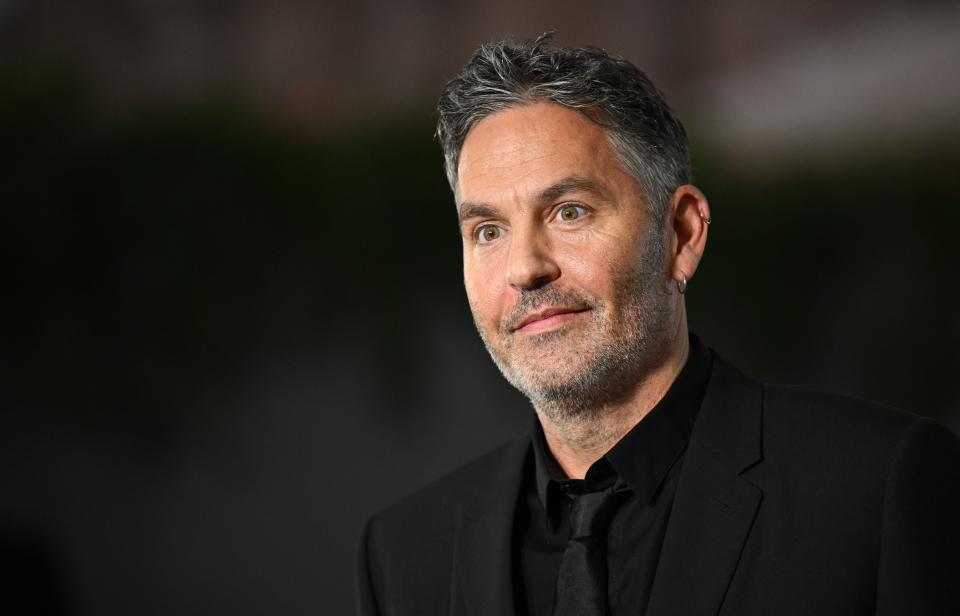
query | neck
(577,440)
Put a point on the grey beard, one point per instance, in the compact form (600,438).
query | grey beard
(624,346)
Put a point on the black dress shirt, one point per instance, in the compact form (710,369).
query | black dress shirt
(646,461)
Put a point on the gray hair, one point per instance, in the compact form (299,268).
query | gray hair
(647,138)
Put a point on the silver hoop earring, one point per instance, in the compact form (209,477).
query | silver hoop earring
(706,220)
(682,285)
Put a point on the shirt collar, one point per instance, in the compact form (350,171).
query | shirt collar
(643,456)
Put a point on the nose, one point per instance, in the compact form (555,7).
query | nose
(530,263)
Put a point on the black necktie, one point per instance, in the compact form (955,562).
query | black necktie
(582,582)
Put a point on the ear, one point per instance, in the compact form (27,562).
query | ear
(689,222)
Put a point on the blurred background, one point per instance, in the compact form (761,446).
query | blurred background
(232,317)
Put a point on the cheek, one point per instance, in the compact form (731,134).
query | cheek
(484,293)
(591,267)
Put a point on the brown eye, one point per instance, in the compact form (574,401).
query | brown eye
(569,213)
(488,233)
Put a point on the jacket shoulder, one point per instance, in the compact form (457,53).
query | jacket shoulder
(436,503)
(836,436)
(405,553)
(808,410)
(810,430)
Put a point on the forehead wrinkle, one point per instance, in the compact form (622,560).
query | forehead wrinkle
(521,192)
(494,163)
(512,159)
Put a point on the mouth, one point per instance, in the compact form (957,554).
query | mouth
(547,318)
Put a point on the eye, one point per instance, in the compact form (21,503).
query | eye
(570,212)
(488,233)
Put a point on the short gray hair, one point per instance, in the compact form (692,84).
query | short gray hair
(646,136)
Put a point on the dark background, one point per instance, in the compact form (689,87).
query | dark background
(232,316)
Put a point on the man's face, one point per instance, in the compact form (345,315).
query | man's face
(564,269)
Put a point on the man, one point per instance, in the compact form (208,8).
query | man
(657,479)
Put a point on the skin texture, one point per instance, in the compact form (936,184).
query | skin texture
(571,284)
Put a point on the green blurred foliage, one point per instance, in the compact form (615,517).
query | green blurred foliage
(164,249)
(158,251)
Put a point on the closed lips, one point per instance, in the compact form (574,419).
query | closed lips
(546,313)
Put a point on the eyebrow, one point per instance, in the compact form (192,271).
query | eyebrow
(572,184)
(467,210)
(567,185)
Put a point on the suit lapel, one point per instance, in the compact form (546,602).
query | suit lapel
(483,569)
(714,507)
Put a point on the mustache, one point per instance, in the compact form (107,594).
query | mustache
(535,299)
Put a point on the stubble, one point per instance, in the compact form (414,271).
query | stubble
(572,373)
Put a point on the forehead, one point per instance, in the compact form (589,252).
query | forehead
(515,153)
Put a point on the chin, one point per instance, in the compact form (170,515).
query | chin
(564,379)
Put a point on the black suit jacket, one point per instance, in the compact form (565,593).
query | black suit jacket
(789,502)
